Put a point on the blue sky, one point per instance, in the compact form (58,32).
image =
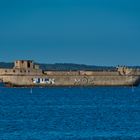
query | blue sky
(95,32)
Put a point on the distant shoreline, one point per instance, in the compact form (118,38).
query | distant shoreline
(66,66)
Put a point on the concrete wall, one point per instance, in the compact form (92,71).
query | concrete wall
(82,73)
(20,72)
(22,64)
(73,80)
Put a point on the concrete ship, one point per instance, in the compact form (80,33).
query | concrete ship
(26,74)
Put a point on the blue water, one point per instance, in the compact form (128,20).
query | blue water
(70,113)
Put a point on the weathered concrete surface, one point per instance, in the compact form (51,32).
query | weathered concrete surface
(73,80)
(27,75)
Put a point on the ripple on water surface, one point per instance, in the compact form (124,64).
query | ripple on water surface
(69,113)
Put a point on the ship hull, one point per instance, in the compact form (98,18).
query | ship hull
(25,73)
(58,81)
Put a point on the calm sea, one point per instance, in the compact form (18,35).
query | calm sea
(70,113)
